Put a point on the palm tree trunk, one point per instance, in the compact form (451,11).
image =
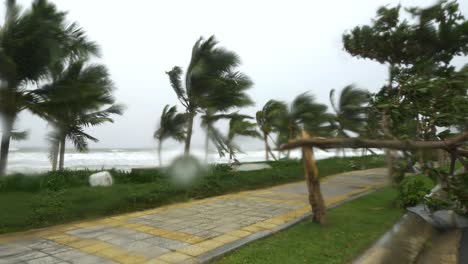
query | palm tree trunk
(265,139)
(271,153)
(188,138)
(62,153)
(159,152)
(207,142)
(5,146)
(55,152)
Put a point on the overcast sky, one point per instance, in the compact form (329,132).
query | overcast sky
(287,47)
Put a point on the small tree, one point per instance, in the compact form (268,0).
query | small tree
(239,126)
(305,114)
(171,125)
(350,111)
(268,120)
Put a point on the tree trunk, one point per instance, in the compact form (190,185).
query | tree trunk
(5,146)
(188,138)
(386,129)
(271,153)
(316,200)
(55,152)
(207,143)
(265,139)
(159,152)
(62,153)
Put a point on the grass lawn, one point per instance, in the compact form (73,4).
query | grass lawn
(53,198)
(353,227)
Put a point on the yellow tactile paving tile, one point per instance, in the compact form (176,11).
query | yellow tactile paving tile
(160,232)
(225,238)
(194,250)
(239,233)
(174,257)
(263,199)
(130,259)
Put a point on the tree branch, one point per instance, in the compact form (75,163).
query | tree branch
(448,144)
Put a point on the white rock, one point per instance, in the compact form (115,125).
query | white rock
(103,178)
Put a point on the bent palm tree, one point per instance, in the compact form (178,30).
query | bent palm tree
(239,126)
(208,120)
(171,125)
(211,81)
(268,120)
(350,111)
(74,100)
(30,41)
(305,114)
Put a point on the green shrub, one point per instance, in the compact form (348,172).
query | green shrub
(53,181)
(48,207)
(20,183)
(412,189)
(138,176)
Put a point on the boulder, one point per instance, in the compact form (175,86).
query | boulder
(103,178)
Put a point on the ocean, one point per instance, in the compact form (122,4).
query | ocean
(34,160)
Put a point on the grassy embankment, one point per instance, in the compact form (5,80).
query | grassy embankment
(352,228)
(53,198)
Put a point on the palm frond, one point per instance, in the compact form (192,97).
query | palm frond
(19,135)
(171,125)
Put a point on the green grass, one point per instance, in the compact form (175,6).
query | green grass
(53,198)
(352,228)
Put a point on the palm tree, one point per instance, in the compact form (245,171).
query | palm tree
(350,111)
(78,96)
(305,114)
(211,81)
(30,41)
(208,120)
(268,120)
(171,125)
(239,126)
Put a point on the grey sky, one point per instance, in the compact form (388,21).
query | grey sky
(287,47)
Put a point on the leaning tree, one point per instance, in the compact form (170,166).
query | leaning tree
(31,41)
(268,121)
(240,126)
(171,125)
(78,96)
(212,82)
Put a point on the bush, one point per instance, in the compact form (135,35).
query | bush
(138,175)
(48,207)
(20,183)
(412,189)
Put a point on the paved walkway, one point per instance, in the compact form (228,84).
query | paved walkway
(191,232)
